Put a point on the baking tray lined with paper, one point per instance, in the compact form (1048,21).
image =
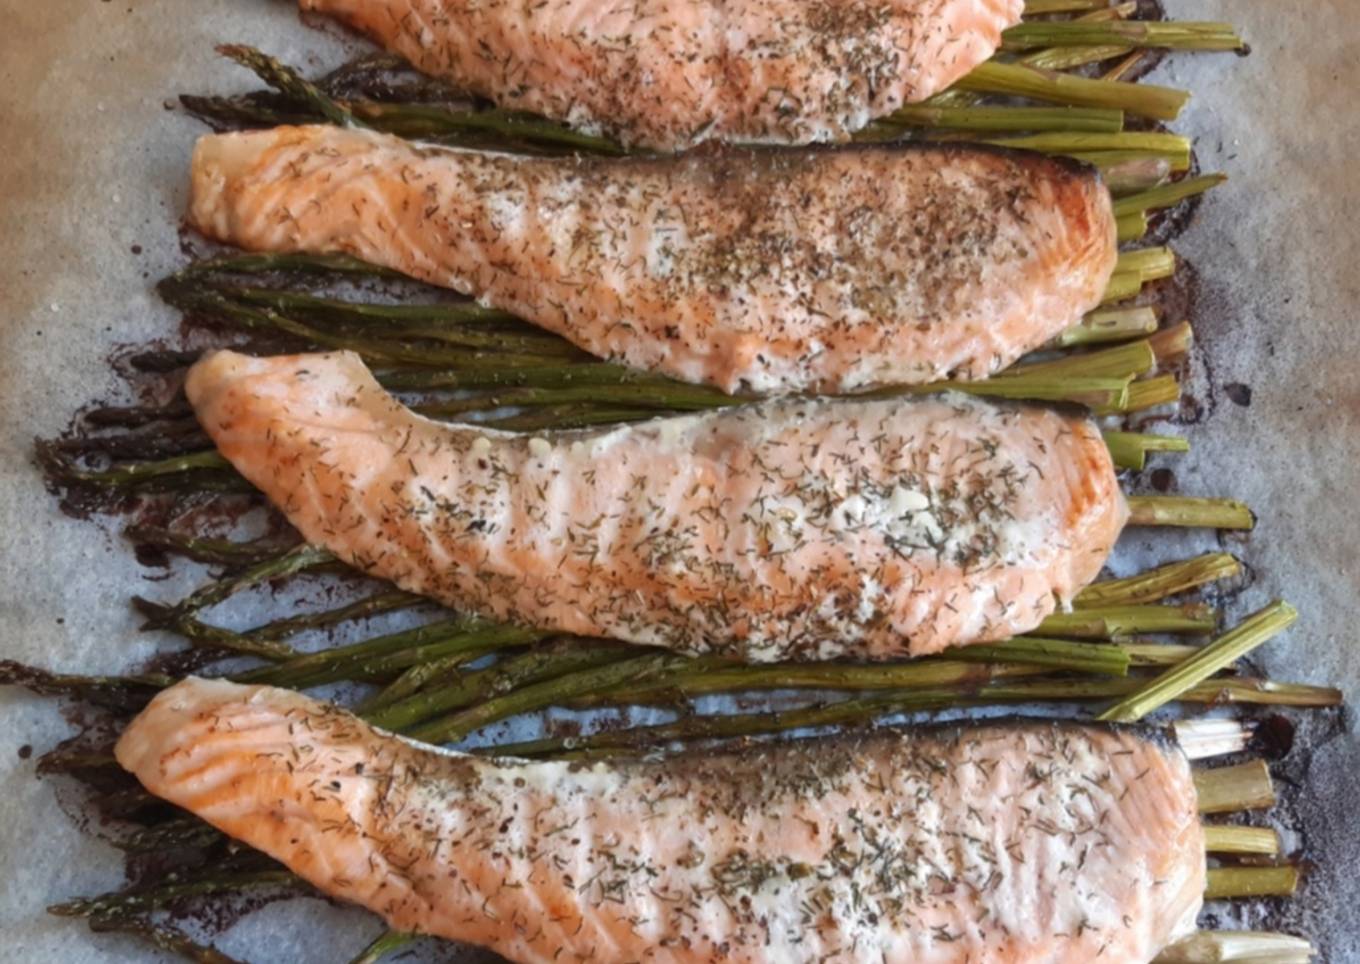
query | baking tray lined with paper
(1227,403)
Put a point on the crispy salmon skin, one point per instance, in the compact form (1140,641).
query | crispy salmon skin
(667,75)
(791,529)
(1030,842)
(773,271)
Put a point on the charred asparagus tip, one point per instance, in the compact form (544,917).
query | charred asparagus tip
(162,936)
(288,81)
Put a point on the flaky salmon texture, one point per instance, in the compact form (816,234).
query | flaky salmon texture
(770,271)
(669,74)
(1018,842)
(790,529)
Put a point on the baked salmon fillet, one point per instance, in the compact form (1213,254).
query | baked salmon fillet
(788,529)
(666,75)
(772,271)
(1016,842)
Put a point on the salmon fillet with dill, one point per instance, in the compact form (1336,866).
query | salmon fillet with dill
(820,270)
(1043,842)
(790,529)
(666,75)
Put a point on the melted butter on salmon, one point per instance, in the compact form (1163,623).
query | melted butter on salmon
(666,74)
(774,271)
(1017,842)
(791,529)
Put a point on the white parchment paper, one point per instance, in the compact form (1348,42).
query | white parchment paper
(92,163)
